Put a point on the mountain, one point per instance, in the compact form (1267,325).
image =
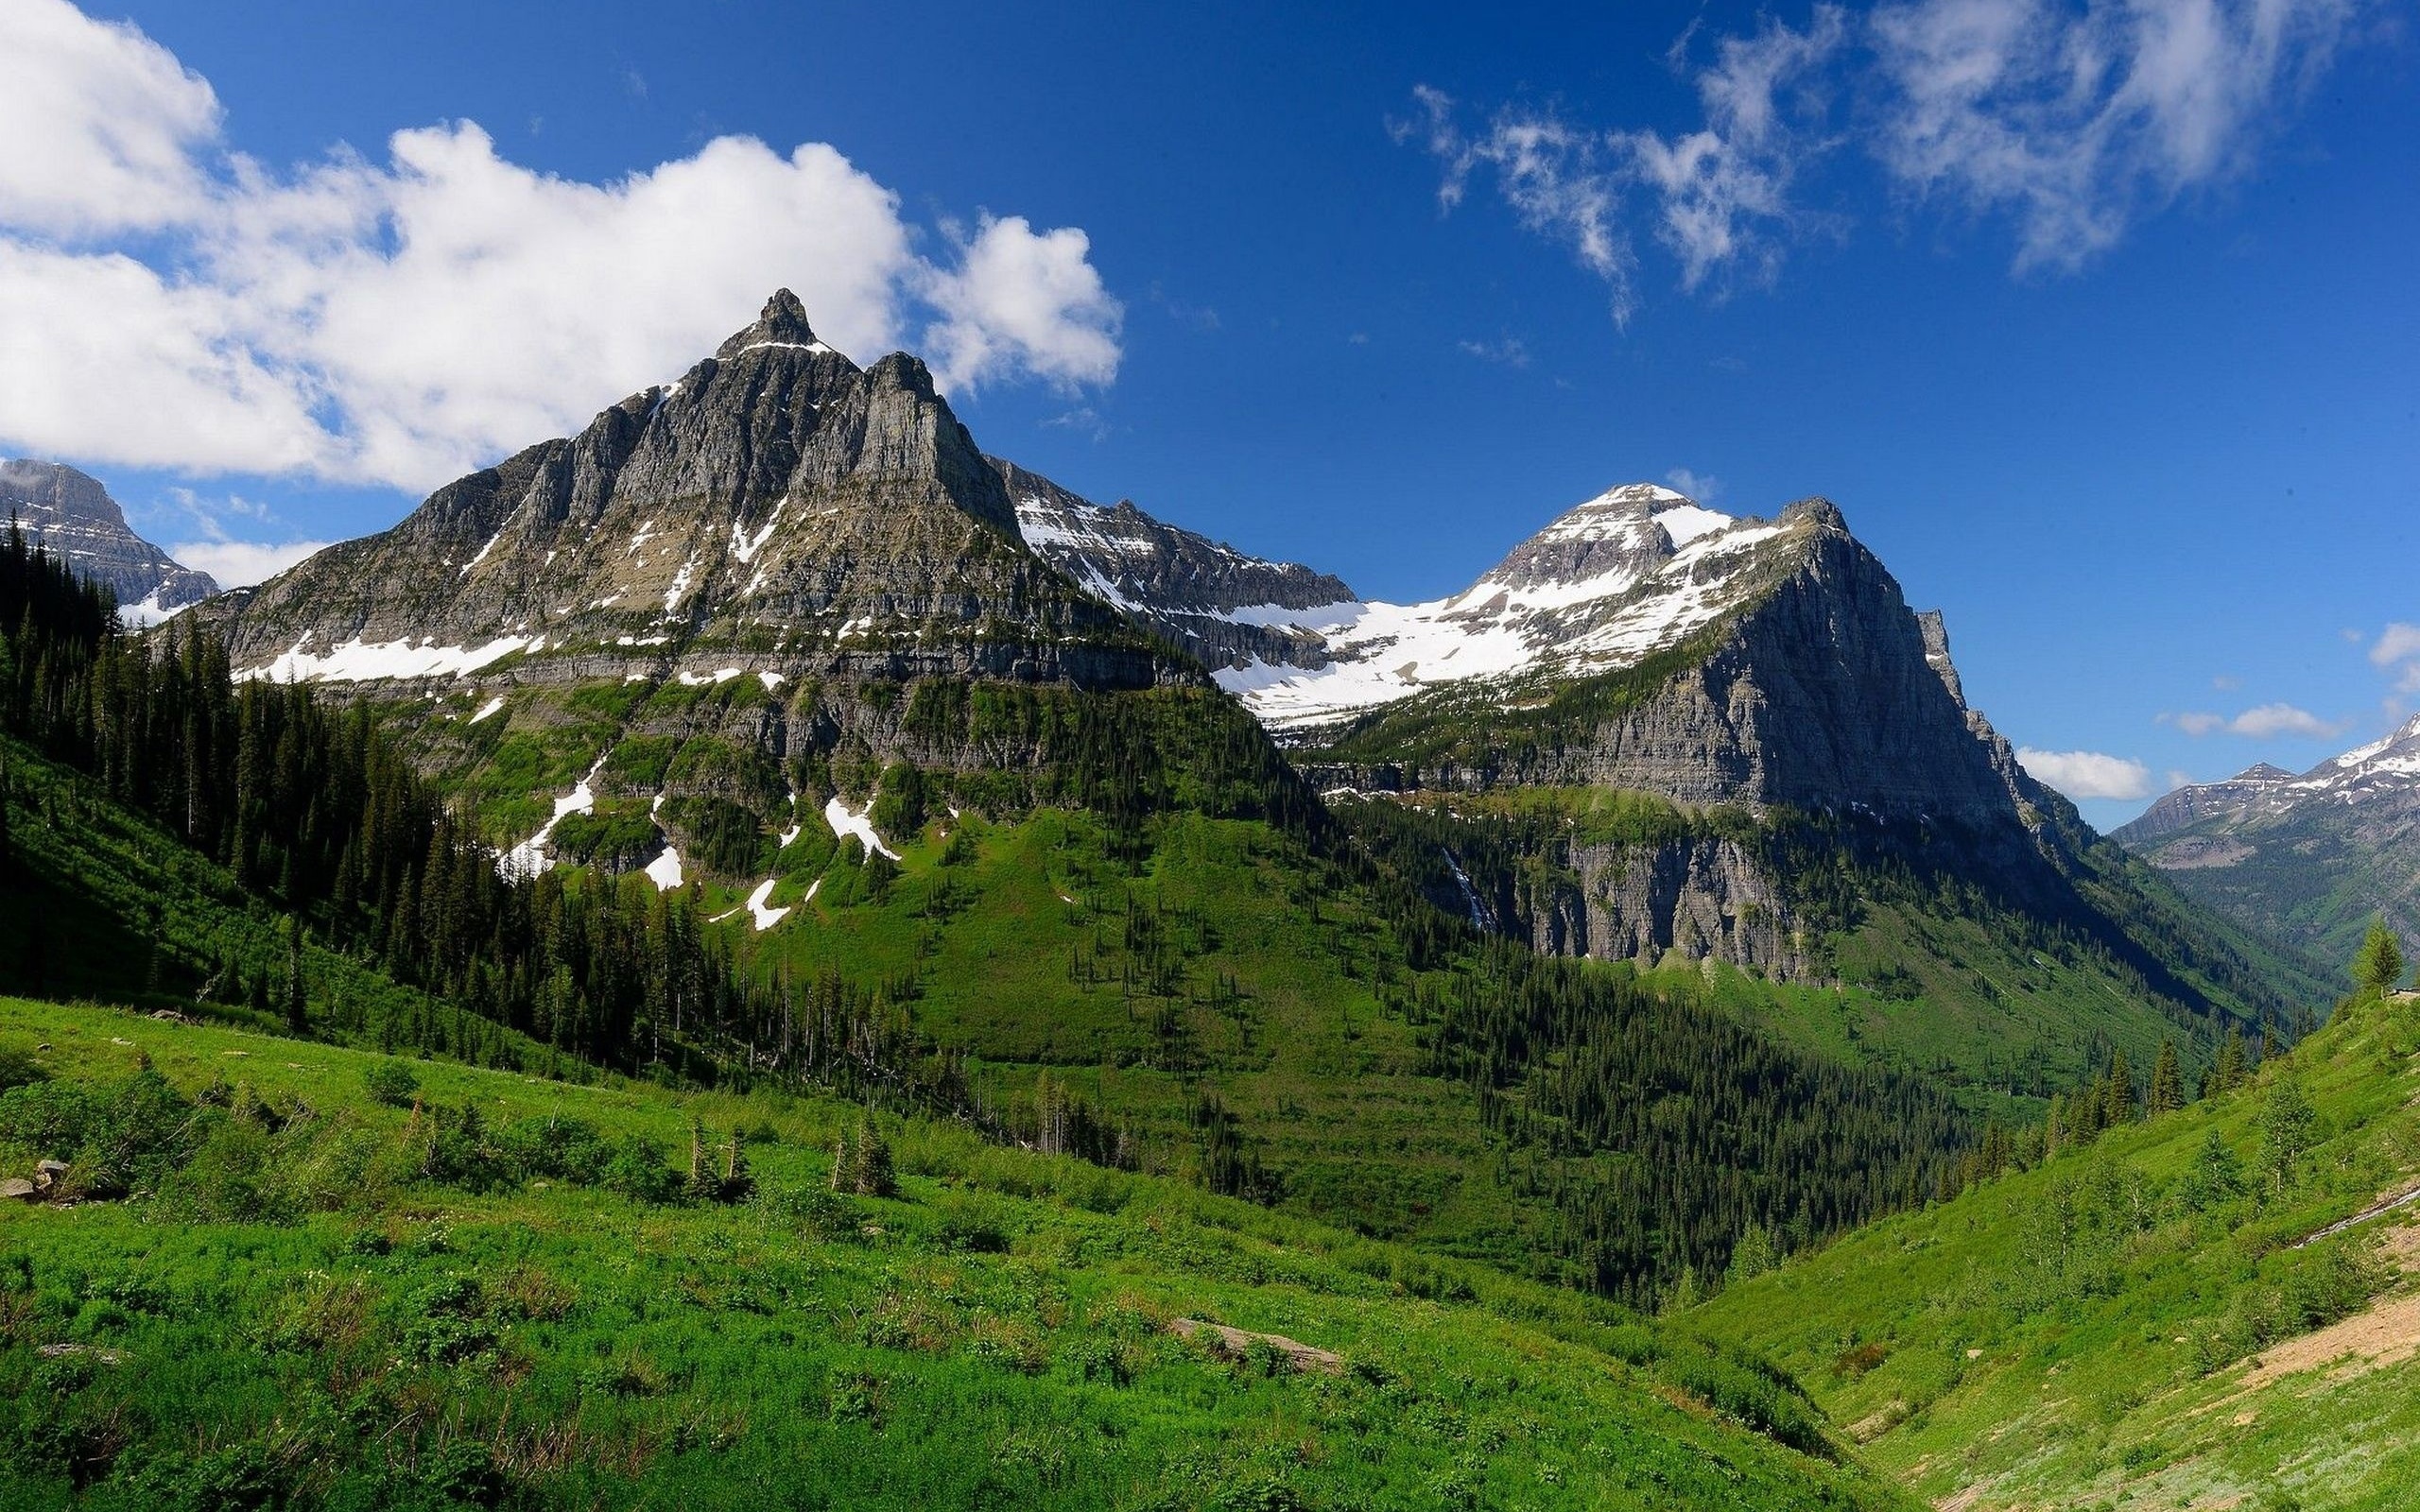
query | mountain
(73,515)
(658,639)
(2311,858)
(777,507)
(1661,734)
(1230,610)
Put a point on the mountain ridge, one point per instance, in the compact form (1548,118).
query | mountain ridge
(72,515)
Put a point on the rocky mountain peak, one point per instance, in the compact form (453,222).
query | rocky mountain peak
(72,515)
(782,323)
(2263,772)
(777,509)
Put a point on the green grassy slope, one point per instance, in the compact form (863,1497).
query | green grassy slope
(299,1316)
(98,901)
(2083,1333)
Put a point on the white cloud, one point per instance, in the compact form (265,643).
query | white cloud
(1562,181)
(2078,119)
(2083,774)
(402,321)
(2258,723)
(1719,187)
(2072,117)
(1697,486)
(2396,642)
(101,124)
(1019,301)
(241,563)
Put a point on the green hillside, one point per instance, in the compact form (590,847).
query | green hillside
(2161,1318)
(485,1291)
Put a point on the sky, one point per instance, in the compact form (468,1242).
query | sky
(2097,319)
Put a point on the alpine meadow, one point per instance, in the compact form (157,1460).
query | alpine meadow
(619,888)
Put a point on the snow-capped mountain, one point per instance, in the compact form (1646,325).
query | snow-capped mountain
(1633,570)
(2311,857)
(73,516)
(1226,608)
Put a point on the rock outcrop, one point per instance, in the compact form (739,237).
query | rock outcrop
(1227,609)
(777,509)
(72,515)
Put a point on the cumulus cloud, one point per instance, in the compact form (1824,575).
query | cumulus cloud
(2258,723)
(166,302)
(2071,119)
(242,564)
(1022,302)
(2084,774)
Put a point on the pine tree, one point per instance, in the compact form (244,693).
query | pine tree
(2379,964)
(2285,1129)
(2168,1082)
(2118,1092)
(2227,1072)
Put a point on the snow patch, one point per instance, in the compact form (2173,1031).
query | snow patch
(530,858)
(665,871)
(846,821)
(360,661)
(765,917)
(488,708)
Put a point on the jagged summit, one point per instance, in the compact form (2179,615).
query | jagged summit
(782,323)
(778,509)
(1226,608)
(71,513)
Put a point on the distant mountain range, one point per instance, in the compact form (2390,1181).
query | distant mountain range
(2308,857)
(72,515)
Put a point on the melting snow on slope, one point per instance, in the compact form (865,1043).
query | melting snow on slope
(744,546)
(679,588)
(765,917)
(358,661)
(665,871)
(530,858)
(846,822)
(1500,627)
(488,708)
(789,836)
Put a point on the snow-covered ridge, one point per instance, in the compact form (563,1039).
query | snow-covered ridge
(1608,583)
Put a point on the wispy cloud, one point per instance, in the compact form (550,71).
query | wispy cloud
(2259,723)
(242,564)
(1511,351)
(2072,119)
(1697,486)
(2085,774)
(402,319)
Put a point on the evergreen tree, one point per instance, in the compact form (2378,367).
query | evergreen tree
(2378,965)
(2118,1093)
(298,1019)
(2168,1082)
(2286,1130)
(2227,1070)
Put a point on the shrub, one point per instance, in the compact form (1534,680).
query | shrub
(391,1082)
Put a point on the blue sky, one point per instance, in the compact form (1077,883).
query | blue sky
(2120,366)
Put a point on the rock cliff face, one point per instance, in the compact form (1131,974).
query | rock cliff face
(778,509)
(1227,609)
(1811,684)
(73,516)
(725,599)
(2309,858)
